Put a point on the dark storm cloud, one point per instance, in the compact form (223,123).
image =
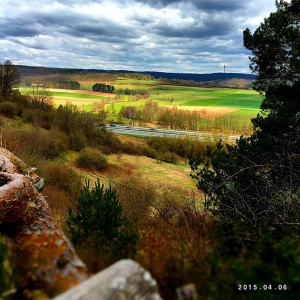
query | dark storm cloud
(220,5)
(18,30)
(78,24)
(60,21)
(20,27)
(217,5)
(212,27)
(109,31)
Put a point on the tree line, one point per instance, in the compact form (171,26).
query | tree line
(174,118)
(127,91)
(103,88)
(64,84)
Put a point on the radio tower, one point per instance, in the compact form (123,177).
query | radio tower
(224,68)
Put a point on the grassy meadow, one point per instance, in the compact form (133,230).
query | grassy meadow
(227,106)
(167,95)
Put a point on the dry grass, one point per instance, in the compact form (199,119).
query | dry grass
(59,202)
(126,139)
(61,100)
(158,174)
(239,82)
(75,101)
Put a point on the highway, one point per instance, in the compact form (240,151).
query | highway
(169,133)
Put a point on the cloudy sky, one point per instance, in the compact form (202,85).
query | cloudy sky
(193,36)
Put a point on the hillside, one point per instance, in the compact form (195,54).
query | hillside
(40,75)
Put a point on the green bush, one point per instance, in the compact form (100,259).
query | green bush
(182,147)
(61,176)
(77,140)
(97,223)
(104,139)
(92,159)
(8,109)
(169,157)
(21,101)
(39,117)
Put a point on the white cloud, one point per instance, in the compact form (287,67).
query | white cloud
(159,35)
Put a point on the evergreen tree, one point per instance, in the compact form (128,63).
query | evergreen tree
(255,184)
(98,222)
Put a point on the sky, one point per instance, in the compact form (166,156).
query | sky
(193,36)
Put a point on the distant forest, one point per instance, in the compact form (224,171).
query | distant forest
(31,70)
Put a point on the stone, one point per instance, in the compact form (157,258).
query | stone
(187,292)
(125,279)
(45,259)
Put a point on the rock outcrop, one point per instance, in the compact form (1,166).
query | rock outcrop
(46,262)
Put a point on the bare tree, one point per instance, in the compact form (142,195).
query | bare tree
(9,76)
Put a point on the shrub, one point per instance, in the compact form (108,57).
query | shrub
(51,143)
(22,101)
(97,224)
(47,144)
(77,140)
(169,157)
(35,142)
(91,158)
(8,109)
(107,141)
(61,176)
(39,117)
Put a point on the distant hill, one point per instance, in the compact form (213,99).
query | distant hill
(31,74)
(201,77)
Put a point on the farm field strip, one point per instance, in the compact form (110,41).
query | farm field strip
(75,101)
(189,96)
(136,82)
(74,94)
(183,97)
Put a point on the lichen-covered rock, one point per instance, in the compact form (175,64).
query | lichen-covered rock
(45,259)
(11,163)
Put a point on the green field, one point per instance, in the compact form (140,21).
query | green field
(216,97)
(169,96)
(70,95)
